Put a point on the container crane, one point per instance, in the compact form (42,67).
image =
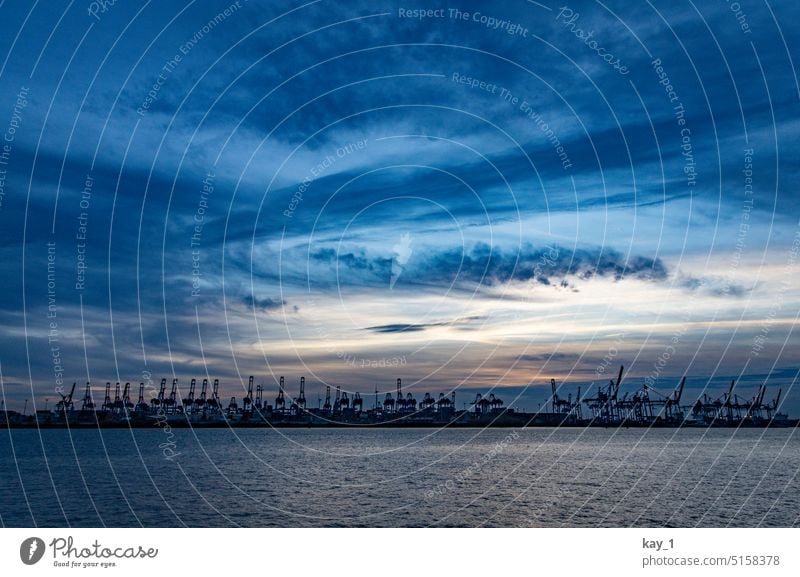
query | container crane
(301,399)
(65,405)
(400,403)
(200,403)
(233,407)
(673,405)
(159,401)
(88,402)
(388,403)
(280,401)
(141,406)
(326,408)
(772,410)
(247,402)
(214,402)
(727,403)
(259,398)
(126,398)
(337,404)
(106,406)
(188,403)
(172,401)
(604,406)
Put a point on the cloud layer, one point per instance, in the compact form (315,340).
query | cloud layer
(305,183)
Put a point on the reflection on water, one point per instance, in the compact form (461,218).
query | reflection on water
(414,477)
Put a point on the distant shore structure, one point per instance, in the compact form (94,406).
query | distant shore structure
(645,407)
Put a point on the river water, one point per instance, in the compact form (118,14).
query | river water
(400,477)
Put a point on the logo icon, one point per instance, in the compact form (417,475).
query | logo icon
(31,551)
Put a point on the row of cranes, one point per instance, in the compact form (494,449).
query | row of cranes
(729,408)
(206,404)
(565,409)
(647,406)
(341,404)
(487,405)
(122,403)
(338,402)
(172,404)
(255,403)
(400,405)
(606,407)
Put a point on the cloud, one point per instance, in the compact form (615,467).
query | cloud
(712,285)
(401,328)
(352,260)
(547,357)
(416,327)
(266,304)
(491,266)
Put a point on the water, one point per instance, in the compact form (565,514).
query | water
(413,477)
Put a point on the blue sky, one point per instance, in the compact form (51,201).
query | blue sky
(359,191)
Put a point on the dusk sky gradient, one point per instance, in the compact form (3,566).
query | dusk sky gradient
(320,189)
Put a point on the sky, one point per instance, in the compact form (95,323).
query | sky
(472,196)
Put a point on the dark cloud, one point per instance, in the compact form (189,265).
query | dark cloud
(401,328)
(354,261)
(481,264)
(416,327)
(488,265)
(264,305)
(547,357)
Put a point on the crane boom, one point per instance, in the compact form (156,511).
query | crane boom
(680,391)
(619,380)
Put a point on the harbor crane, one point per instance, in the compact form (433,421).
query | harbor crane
(400,402)
(247,402)
(158,402)
(337,403)
(301,399)
(66,404)
(772,410)
(88,402)
(126,399)
(233,407)
(118,404)
(141,406)
(326,408)
(214,402)
(604,406)
(188,402)
(172,401)
(299,404)
(259,398)
(107,401)
(200,403)
(280,400)
(388,403)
